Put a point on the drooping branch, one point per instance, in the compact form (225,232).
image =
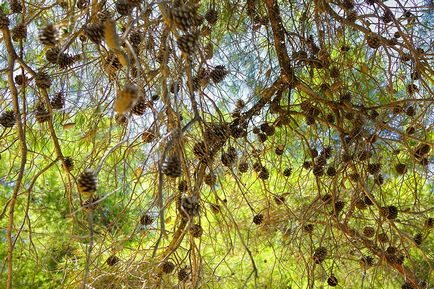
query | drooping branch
(14,92)
(279,39)
(403,270)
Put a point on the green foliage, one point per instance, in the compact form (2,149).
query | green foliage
(261,228)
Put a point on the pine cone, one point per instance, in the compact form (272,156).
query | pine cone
(16,6)
(218,73)
(314,153)
(201,152)
(41,113)
(155,97)
(367,261)
(95,32)
(418,238)
(68,163)
(320,254)
(332,281)
(211,16)
(43,80)
(243,167)
(390,212)
(20,79)
(196,231)
(279,150)
(308,228)
(401,169)
(263,174)
(216,135)
(339,206)
(415,75)
(135,38)
(148,136)
(410,130)
(318,170)
(422,150)
(392,41)
(183,186)
(172,167)
(49,35)
(369,232)
(209,51)
(189,207)
(412,88)
(52,55)
(257,219)
(140,106)
(374,168)
(58,101)
(331,172)
(7,119)
(19,32)
(66,60)
(238,132)
(123,7)
(87,183)
(4,20)
(187,43)
(228,158)
(184,17)
(268,129)
(210,179)
(287,172)
(373,40)
(183,275)
(167,267)
(391,250)
(410,111)
(196,83)
(146,220)
(330,118)
(112,260)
